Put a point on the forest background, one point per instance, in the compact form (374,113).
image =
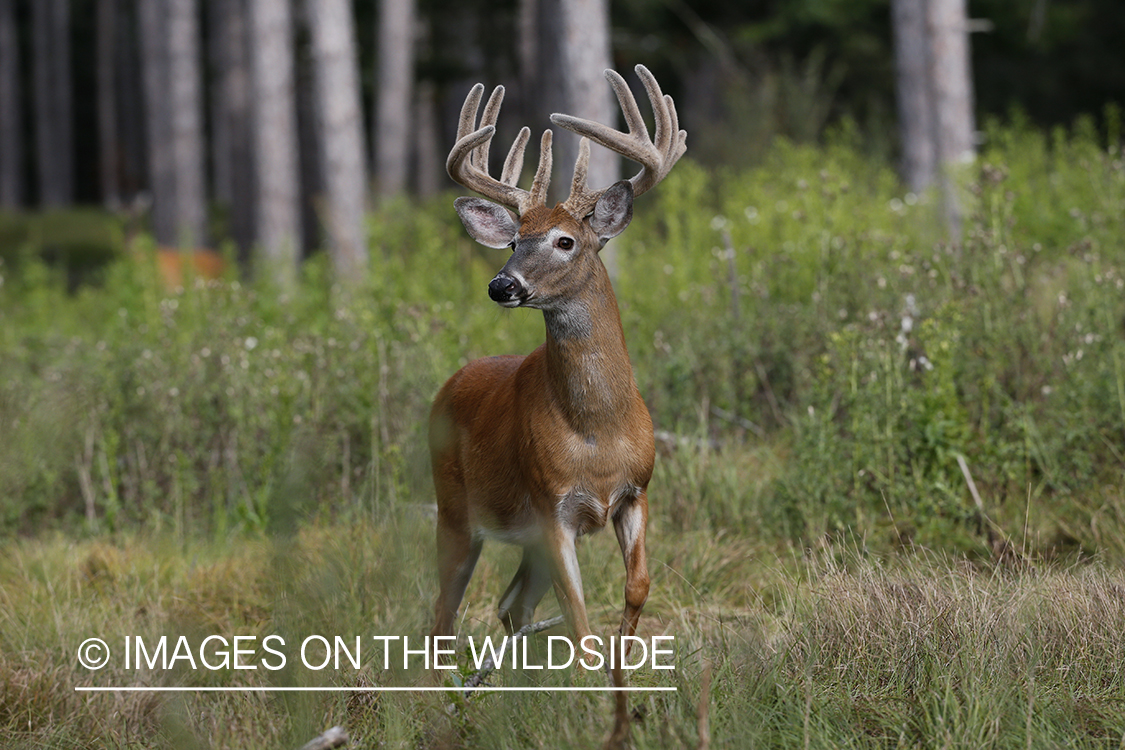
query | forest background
(889,502)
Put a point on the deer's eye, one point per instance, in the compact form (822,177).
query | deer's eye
(565,243)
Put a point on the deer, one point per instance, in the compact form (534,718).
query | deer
(542,449)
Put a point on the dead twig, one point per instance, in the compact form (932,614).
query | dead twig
(334,737)
(489,665)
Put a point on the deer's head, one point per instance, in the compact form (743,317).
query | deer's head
(555,250)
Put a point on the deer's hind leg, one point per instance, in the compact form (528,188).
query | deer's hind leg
(457,547)
(532,579)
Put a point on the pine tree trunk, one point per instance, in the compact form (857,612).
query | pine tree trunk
(106,24)
(186,104)
(394,95)
(574,50)
(131,122)
(430,164)
(11,110)
(935,100)
(231,142)
(63,99)
(278,212)
(223,19)
(953,88)
(152,30)
(336,76)
(913,87)
(53,105)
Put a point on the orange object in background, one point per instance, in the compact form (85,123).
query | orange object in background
(175,266)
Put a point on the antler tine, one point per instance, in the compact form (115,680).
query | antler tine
(491,114)
(513,165)
(581,167)
(542,181)
(656,154)
(467,162)
(468,119)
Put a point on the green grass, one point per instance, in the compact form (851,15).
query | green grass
(820,363)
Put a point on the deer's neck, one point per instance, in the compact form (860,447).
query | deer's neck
(588,365)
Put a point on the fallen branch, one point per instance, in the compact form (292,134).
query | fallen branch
(489,665)
(334,737)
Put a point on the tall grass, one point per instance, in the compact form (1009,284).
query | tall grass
(805,318)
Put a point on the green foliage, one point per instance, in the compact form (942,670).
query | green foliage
(819,362)
(818,359)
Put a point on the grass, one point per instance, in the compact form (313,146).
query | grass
(828,648)
(825,370)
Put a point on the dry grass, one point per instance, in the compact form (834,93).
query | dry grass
(825,649)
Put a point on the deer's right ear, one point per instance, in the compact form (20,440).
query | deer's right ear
(488,223)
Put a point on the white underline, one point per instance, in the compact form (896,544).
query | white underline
(278,689)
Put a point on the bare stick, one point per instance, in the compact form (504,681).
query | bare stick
(489,665)
(334,737)
(972,485)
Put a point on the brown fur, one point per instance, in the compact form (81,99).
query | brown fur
(536,450)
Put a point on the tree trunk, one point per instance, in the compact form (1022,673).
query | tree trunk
(336,75)
(186,105)
(53,104)
(935,100)
(952,81)
(574,50)
(913,87)
(11,110)
(953,101)
(107,103)
(430,164)
(231,119)
(131,122)
(278,211)
(152,23)
(223,20)
(309,155)
(394,95)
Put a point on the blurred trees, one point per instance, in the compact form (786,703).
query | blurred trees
(11,110)
(185,105)
(277,214)
(935,95)
(337,96)
(394,95)
(54,112)
(228,121)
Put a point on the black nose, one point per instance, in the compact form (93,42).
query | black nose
(504,288)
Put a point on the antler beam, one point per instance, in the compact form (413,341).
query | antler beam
(467,163)
(656,154)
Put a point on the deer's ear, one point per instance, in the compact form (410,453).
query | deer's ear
(613,211)
(488,223)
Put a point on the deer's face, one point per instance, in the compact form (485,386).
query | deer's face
(554,254)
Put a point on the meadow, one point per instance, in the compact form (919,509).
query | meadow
(888,507)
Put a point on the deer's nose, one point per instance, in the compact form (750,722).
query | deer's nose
(505,288)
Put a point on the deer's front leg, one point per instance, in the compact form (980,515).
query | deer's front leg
(563,556)
(629,524)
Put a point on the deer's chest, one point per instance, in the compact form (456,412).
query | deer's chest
(590,477)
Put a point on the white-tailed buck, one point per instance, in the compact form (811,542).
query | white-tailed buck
(539,450)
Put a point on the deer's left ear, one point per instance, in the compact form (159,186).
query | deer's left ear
(613,211)
(488,223)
